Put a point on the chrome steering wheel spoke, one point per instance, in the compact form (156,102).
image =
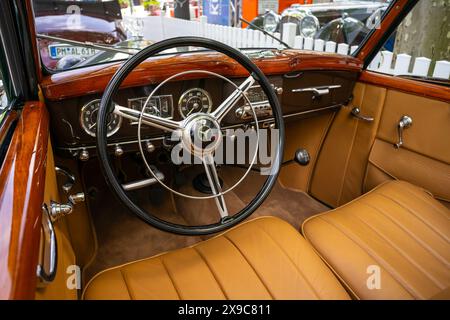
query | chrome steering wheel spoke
(148,119)
(214,182)
(233,98)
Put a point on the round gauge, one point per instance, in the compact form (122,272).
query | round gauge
(194,101)
(88,119)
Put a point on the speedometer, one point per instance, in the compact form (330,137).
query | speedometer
(88,119)
(194,101)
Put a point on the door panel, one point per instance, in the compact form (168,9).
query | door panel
(357,156)
(403,164)
(424,159)
(57,289)
(430,133)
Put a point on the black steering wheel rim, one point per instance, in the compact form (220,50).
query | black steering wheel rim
(106,107)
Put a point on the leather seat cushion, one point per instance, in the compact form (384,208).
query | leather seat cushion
(265,258)
(400,229)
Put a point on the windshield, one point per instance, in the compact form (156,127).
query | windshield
(75,34)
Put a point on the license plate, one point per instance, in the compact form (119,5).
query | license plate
(58,51)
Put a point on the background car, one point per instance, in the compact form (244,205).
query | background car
(311,18)
(93,21)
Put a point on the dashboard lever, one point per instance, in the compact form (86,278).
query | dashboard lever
(318,91)
(69,176)
(356,112)
(143,183)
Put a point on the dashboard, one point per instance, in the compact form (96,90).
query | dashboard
(301,94)
(305,83)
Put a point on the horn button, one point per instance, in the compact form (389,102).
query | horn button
(201,134)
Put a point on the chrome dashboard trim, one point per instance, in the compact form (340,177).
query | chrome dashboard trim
(270,119)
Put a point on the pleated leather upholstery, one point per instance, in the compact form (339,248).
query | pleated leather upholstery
(265,258)
(400,229)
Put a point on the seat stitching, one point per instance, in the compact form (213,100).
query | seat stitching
(347,160)
(212,272)
(292,262)
(251,266)
(416,215)
(126,283)
(401,252)
(426,200)
(378,259)
(170,278)
(411,235)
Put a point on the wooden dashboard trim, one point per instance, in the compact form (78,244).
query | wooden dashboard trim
(419,88)
(93,79)
(22,180)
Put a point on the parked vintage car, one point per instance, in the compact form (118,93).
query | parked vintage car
(92,21)
(318,177)
(311,18)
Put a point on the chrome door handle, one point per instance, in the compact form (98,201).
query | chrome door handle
(46,270)
(404,123)
(356,112)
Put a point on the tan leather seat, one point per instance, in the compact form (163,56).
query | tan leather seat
(400,229)
(265,258)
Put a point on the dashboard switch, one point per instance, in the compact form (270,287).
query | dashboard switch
(278,90)
(118,151)
(150,147)
(84,155)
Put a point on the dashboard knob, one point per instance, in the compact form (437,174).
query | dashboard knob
(150,147)
(278,90)
(240,113)
(84,155)
(118,151)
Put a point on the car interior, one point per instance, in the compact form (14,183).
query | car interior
(358,185)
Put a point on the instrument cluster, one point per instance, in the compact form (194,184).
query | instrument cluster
(194,101)
(191,101)
(88,119)
(161,106)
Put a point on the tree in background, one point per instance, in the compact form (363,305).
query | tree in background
(425,31)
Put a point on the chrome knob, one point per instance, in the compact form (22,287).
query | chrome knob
(77,198)
(239,113)
(278,90)
(118,151)
(84,155)
(150,147)
(59,210)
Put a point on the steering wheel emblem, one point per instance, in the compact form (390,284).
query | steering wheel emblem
(205,134)
(201,134)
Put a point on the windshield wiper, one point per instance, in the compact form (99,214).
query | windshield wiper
(86,44)
(265,32)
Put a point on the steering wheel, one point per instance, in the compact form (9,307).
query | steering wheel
(193,126)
